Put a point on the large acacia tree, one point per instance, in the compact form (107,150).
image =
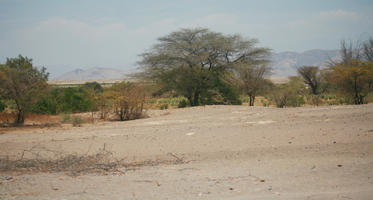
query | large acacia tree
(190,61)
(23,83)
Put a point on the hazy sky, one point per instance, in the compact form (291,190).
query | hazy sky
(63,35)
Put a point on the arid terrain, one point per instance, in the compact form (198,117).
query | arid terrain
(211,152)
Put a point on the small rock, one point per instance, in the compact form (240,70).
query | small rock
(8,178)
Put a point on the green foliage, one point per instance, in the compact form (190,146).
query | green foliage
(65,118)
(311,77)
(244,99)
(77,121)
(2,106)
(182,104)
(163,106)
(354,79)
(194,62)
(63,100)
(93,85)
(22,83)
(250,79)
(316,100)
(289,94)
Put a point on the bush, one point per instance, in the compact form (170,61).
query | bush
(182,104)
(244,99)
(316,100)
(128,100)
(164,106)
(2,106)
(62,100)
(77,121)
(289,94)
(65,118)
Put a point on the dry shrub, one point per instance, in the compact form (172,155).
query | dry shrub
(102,162)
(315,100)
(7,118)
(74,164)
(129,101)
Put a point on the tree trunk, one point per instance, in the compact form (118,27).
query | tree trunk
(20,117)
(190,99)
(314,89)
(121,114)
(196,99)
(251,100)
(361,99)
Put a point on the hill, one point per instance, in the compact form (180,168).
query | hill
(284,64)
(93,74)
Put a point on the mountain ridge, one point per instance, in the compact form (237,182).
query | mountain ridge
(284,64)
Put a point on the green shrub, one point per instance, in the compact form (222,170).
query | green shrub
(2,106)
(164,106)
(289,94)
(182,104)
(244,99)
(316,100)
(77,121)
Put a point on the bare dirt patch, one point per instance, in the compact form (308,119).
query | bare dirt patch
(212,152)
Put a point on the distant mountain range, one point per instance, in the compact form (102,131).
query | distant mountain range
(95,73)
(284,64)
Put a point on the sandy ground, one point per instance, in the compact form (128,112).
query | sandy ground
(232,152)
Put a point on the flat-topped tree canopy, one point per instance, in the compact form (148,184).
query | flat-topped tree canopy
(202,51)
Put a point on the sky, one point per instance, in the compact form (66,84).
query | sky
(63,35)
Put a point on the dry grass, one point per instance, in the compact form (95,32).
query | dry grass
(102,162)
(38,120)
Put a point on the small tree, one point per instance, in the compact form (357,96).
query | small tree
(311,77)
(290,94)
(94,91)
(251,79)
(23,83)
(353,79)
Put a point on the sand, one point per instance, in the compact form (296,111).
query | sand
(229,152)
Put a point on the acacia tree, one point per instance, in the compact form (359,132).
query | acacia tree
(353,79)
(23,83)
(353,74)
(311,77)
(251,79)
(189,61)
